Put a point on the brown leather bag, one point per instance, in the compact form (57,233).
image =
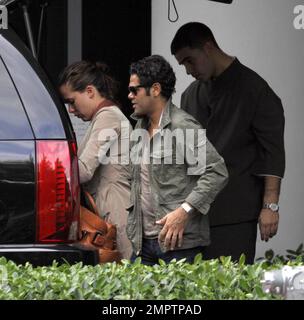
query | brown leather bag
(96,233)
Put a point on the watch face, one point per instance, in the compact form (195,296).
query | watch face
(274,207)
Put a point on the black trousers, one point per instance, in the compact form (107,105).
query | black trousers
(232,240)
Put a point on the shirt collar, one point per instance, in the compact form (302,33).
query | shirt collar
(226,77)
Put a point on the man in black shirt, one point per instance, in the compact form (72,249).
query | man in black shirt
(244,120)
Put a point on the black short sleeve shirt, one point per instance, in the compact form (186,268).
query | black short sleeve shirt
(244,120)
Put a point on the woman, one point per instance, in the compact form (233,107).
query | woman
(90,93)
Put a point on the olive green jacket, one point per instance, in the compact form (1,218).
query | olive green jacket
(195,176)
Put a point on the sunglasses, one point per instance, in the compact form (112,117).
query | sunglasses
(134,89)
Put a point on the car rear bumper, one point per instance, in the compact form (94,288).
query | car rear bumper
(45,254)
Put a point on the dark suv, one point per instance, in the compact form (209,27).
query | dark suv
(39,185)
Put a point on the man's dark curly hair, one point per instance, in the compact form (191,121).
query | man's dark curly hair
(155,69)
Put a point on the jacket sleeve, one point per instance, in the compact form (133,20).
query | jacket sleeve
(105,131)
(211,169)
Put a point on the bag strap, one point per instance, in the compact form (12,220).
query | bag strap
(90,201)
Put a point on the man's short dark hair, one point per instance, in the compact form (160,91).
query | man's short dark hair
(155,69)
(192,35)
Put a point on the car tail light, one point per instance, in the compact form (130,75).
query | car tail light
(58,198)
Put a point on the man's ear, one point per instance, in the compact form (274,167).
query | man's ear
(156,89)
(208,47)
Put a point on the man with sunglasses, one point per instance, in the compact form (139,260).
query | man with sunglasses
(171,190)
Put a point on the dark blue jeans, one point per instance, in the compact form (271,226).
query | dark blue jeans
(151,252)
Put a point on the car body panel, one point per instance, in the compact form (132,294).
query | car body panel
(17,192)
(44,255)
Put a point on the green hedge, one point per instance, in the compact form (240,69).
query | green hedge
(214,279)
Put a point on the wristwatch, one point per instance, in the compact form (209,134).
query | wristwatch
(272,206)
(186,206)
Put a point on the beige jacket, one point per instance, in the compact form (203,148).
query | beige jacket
(108,182)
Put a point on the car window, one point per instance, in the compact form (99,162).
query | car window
(39,105)
(13,120)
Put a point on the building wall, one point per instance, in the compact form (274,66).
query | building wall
(262,35)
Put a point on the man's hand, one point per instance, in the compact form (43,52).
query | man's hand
(174,225)
(268,223)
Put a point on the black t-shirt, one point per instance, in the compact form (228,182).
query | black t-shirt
(244,120)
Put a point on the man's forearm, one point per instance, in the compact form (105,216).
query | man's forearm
(272,189)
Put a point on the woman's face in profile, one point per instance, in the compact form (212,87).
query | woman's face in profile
(79,103)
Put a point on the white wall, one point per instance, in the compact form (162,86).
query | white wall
(261,34)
